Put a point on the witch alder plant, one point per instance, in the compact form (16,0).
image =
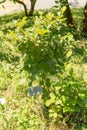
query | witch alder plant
(47,51)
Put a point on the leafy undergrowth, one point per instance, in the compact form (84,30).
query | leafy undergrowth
(78,17)
(41,51)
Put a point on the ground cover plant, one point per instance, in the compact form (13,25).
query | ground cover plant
(42,51)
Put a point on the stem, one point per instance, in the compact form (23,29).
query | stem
(24,5)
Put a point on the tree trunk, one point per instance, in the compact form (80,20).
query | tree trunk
(33,2)
(68,14)
(84,28)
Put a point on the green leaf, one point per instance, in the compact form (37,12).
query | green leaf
(58,102)
(63,98)
(41,31)
(52,95)
(69,53)
(48,102)
(68,66)
(51,100)
(24,19)
(54,114)
(63,9)
(71,71)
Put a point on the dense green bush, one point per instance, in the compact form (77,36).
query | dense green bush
(47,49)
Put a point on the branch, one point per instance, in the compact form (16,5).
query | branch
(24,5)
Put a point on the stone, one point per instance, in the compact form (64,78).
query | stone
(35,90)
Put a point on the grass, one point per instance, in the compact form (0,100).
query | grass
(20,111)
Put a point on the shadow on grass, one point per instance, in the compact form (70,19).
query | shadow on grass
(8,58)
(10,17)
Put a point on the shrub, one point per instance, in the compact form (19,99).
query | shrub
(47,48)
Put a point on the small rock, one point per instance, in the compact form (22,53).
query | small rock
(35,90)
